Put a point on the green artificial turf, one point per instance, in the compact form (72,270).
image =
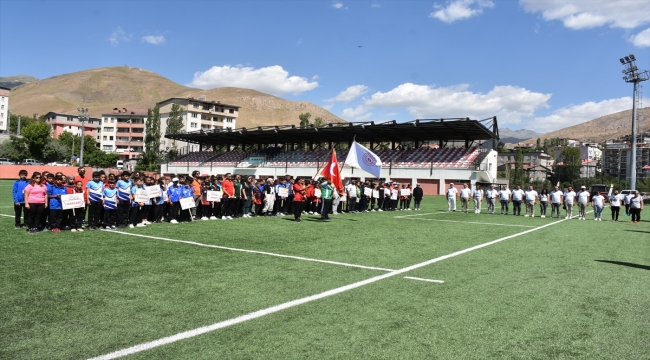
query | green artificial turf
(575,289)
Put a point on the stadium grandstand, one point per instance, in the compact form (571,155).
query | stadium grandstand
(430,152)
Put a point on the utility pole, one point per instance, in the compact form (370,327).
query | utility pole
(83,117)
(633,75)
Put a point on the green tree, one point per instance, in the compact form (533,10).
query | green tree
(24,122)
(572,161)
(55,150)
(174,122)
(37,135)
(517,175)
(14,148)
(501,146)
(150,158)
(68,139)
(304,120)
(318,122)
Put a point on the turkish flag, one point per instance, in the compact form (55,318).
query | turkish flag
(331,171)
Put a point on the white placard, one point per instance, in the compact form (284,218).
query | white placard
(213,196)
(375,194)
(187,203)
(317,193)
(154,192)
(405,192)
(367,191)
(141,196)
(72,201)
(283,192)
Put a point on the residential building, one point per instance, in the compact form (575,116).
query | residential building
(61,122)
(4,110)
(122,132)
(537,164)
(617,159)
(198,114)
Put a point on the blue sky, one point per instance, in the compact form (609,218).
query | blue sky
(536,64)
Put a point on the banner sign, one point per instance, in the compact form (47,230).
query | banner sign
(283,192)
(213,196)
(367,191)
(72,201)
(375,194)
(154,192)
(142,196)
(406,192)
(187,203)
(317,193)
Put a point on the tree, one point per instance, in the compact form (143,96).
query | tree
(37,135)
(68,140)
(174,122)
(501,146)
(14,148)
(570,171)
(318,122)
(517,176)
(150,157)
(24,122)
(304,120)
(55,150)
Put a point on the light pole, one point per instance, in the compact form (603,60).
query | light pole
(83,117)
(633,75)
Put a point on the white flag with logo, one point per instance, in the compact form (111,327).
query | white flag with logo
(360,157)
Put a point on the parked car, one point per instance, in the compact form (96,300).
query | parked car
(5,161)
(32,162)
(120,164)
(625,192)
(58,163)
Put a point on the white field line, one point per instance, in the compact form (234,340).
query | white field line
(253,251)
(474,222)
(293,303)
(421,279)
(405,216)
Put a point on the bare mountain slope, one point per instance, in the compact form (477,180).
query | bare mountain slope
(606,127)
(103,89)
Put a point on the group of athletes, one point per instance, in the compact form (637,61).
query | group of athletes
(115,201)
(558,199)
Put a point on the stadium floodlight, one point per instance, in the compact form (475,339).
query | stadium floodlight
(633,75)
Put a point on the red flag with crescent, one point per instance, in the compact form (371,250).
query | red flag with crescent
(332,173)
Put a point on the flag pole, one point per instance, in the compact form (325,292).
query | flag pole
(321,167)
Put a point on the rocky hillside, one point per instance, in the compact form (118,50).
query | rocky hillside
(103,89)
(606,127)
(15,81)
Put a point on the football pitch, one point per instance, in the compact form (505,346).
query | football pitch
(406,284)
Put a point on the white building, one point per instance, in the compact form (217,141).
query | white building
(4,110)
(122,131)
(197,114)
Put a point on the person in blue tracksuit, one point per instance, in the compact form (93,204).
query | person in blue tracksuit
(123,187)
(54,193)
(174,196)
(110,202)
(187,191)
(19,196)
(95,189)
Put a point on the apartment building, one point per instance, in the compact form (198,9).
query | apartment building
(198,114)
(61,122)
(537,164)
(122,132)
(4,109)
(617,159)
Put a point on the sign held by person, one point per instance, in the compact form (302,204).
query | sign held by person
(187,203)
(72,201)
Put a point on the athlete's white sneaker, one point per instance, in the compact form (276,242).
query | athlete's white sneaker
(526,215)
(380,210)
(532,216)
(213,218)
(141,225)
(173,221)
(205,218)
(131,225)
(229,217)
(223,218)
(543,216)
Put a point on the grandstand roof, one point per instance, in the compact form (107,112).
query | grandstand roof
(457,129)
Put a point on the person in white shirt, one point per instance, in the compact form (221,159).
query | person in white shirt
(569,198)
(543,202)
(517,198)
(452,194)
(598,202)
(465,193)
(491,196)
(627,199)
(615,204)
(556,201)
(478,199)
(583,200)
(531,200)
(351,190)
(636,206)
(504,197)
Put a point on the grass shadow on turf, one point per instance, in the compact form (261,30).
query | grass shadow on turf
(638,266)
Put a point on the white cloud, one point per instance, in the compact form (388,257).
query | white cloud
(510,103)
(272,80)
(460,9)
(642,39)
(350,93)
(154,40)
(584,14)
(358,114)
(577,114)
(338,5)
(118,35)
(375,5)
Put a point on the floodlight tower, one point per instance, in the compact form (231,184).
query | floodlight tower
(633,75)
